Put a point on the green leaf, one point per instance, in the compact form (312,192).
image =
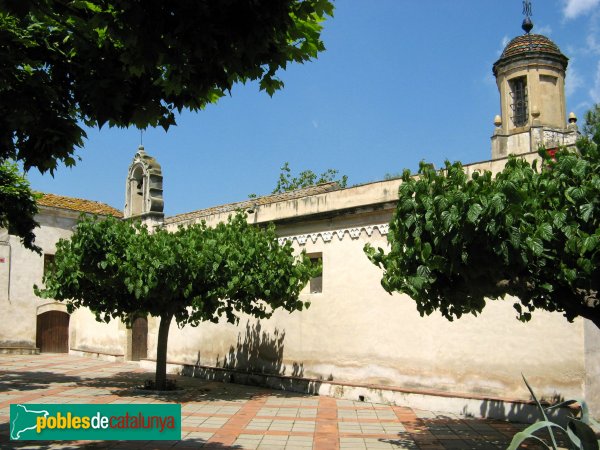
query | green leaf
(535,245)
(590,244)
(528,433)
(544,231)
(582,435)
(586,210)
(426,251)
(474,212)
(549,425)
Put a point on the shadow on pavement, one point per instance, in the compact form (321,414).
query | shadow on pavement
(129,384)
(28,381)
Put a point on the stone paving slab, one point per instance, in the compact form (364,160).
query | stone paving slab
(229,416)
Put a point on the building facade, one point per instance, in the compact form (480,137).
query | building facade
(355,340)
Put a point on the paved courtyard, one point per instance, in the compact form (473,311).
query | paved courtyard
(229,416)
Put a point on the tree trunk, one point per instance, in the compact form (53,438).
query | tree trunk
(160,382)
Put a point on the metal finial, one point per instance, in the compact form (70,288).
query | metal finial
(527,23)
(527,8)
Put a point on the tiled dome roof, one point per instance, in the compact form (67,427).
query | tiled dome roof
(530,46)
(530,43)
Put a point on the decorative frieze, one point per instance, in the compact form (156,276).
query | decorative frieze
(554,138)
(327,236)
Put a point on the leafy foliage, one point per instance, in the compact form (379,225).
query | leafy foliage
(195,274)
(392,176)
(579,429)
(527,232)
(305,179)
(60,58)
(591,128)
(19,208)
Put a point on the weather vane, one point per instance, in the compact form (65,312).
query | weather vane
(527,23)
(527,8)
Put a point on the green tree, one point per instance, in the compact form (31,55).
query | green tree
(531,232)
(60,58)
(195,274)
(18,205)
(306,178)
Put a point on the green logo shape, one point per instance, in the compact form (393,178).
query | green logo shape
(95,422)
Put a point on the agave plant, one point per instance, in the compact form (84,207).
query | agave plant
(579,430)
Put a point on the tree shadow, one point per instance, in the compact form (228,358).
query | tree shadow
(128,384)
(475,434)
(184,443)
(522,412)
(34,380)
(401,442)
(259,352)
(256,360)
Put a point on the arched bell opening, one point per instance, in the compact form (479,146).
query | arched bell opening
(136,191)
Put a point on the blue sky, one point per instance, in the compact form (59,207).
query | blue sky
(401,81)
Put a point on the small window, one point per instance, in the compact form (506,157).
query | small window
(48,262)
(316,283)
(518,92)
(548,79)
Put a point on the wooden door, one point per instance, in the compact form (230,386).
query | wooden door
(139,339)
(52,334)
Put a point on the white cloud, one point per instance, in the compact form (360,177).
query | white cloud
(544,29)
(503,44)
(592,43)
(593,34)
(575,8)
(582,107)
(595,90)
(573,80)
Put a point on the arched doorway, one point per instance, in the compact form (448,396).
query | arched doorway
(52,332)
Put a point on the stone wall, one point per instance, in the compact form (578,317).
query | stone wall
(356,332)
(22,269)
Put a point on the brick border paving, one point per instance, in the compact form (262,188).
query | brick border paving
(228,416)
(326,432)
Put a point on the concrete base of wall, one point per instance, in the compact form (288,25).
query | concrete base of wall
(467,405)
(111,357)
(19,351)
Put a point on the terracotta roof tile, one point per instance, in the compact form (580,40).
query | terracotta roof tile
(530,43)
(259,201)
(78,204)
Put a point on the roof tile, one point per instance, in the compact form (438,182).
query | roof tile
(259,201)
(78,204)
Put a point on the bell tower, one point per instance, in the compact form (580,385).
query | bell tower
(144,190)
(530,75)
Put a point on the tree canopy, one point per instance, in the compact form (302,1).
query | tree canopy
(306,178)
(532,231)
(18,205)
(195,274)
(66,64)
